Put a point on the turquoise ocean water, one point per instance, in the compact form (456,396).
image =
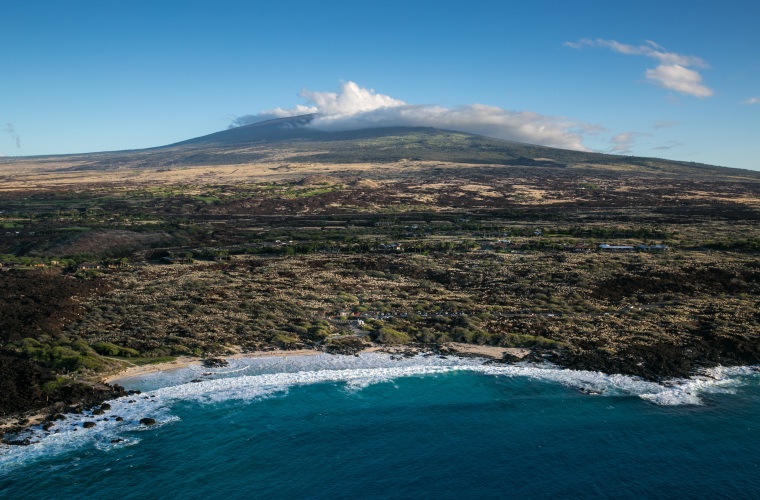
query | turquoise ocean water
(425,427)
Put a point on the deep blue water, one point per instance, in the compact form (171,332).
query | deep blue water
(372,427)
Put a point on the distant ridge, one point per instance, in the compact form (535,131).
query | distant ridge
(295,128)
(291,139)
(278,129)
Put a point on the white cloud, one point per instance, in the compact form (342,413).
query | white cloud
(672,73)
(651,49)
(352,100)
(284,113)
(678,78)
(752,100)
(492,121)
(272,114)
(355,107)
(622,143)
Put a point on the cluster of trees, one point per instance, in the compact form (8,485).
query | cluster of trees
(62,355)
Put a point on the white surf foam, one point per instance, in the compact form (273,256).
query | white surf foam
(359,372)
(257,378)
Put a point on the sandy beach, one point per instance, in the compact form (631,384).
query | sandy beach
(493,352)
(185,361)
(487,351)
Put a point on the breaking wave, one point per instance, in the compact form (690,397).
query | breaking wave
(252,379)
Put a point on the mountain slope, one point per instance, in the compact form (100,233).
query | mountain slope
(279,129)
(293,140)
(393,144)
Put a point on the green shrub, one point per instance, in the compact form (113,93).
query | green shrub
(319,333)
(181,350)
(128,352)
(159,352)
(283,339)
(53,386)
(106,348)
(387,335)
(521,340)
(90,363)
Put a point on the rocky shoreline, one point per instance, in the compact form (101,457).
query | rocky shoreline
(93,399)
(659,361)
(653,363)
(77,401)
(649,364)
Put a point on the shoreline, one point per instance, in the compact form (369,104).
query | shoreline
(454,348)
(185,361)
(17,423)
(12,423)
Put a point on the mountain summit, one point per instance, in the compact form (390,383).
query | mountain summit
(278,129)
(293,140)
(294,137)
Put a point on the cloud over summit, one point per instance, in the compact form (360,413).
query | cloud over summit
(351,100)
(355,107)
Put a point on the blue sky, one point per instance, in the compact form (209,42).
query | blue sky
(675,79)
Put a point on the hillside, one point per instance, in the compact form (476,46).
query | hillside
(268,236)
(291,140)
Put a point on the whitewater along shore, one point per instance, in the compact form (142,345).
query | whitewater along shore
(108,387)
(650,362)
(660,364)
(185,361)
(452,348)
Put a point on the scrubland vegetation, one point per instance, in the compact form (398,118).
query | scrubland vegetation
(411,252)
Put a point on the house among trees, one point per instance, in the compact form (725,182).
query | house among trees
(604,247)
(84,266)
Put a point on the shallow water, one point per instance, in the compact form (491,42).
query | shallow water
(373,426)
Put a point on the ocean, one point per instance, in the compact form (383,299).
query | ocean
(379,426)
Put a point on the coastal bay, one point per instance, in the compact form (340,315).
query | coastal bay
(434,421)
